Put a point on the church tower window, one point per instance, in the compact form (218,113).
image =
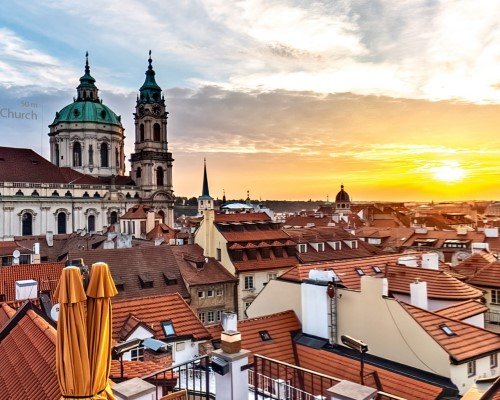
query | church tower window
(117,158)
(138,172)
(27,224)
(156,132)
(77,154)
(57,154)
(113,217)
(159,176)
(104,155)
(141,129)
(61,223)
(91,223)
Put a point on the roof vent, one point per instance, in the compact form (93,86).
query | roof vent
(26,289)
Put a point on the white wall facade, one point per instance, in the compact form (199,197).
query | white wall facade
(459,373)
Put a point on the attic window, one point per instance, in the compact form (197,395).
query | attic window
(168,328)
(321,247)
(265,336)
(170,279)
(302,248)
(359,271)
(119,283)
(446,329)
(376,269)
(146,280)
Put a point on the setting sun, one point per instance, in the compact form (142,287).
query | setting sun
(449,173)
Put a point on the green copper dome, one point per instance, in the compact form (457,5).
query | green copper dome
(87,107)
(87,111)
(150,92)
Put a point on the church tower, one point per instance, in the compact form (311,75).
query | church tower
(205,201)
(152,162)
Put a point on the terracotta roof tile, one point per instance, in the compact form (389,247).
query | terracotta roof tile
(466,342)
(440,285)
(6,313)
(265,264)
(133,369)
(241,217)
(254,236)
(152,311)
(279,326)
(463,310)
(46,274)
(343,367)
(139,211)
(488,276)
(28,370)
(474,263)
(128,264)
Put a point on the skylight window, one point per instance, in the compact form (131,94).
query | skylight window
(446,329)
(265,336)
(168,328)
(359,271)
(376,269)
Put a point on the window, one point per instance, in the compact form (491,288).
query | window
(113,217)
(321,247)
(446,329)
(156,132)
(168,328)
(91,223)
(495,296)
(210,293)
(201,317)
(180,346)
(219,292)
(137,354)
(104,155)
(302,248)
(471,368)
(265,336)
(210,317)
(493,361)
(201,294)
(61,223)
(272,275)
(359,271)
(376,269)
(141,134)
(247,304)
(218,315)
(27,224)
(249,282)
(77,154)
(57,154)
(219,254)
(159,176)
(138,172)
(336,245)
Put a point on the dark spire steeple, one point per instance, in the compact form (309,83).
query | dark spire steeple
(205,192)
(87,90)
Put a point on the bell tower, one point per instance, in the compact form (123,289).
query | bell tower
(151,161)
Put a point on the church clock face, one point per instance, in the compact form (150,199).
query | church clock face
(141,111)
(156,110)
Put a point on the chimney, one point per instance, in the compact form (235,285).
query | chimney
(150,221)
(315,304)
(418,293)
(49,237)
(26,289)
(35,257)
(347,390)
(430,261)
(409,261)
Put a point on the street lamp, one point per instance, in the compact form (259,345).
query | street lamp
(359,346)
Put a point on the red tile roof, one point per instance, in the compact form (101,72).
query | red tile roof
(28,368)
(152,311)
(440,285)
(46,274)
(343,367)
(278,325)
(305,220)
(474,263)
(463,310)
(6,314)
(139,211)
(133,369)
(266,264)
(242,217)
(467,342)
(161,230)
(254,236)
(488,276)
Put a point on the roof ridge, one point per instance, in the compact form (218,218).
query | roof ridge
(264,317)
(176,294)
(44,326)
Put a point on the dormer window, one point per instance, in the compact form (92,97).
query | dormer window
(337,245)
(168,328)
(265,336)
(376,269)
(302,248)
(146,280)
(359,271)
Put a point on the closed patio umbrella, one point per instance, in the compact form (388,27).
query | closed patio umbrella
(72,360)
(99,291)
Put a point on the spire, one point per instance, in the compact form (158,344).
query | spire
(87,90)
(87,68)
(223,196)
(248,201)
(150,92)
(205,192)
(150,61)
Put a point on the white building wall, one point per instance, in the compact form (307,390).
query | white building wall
(277,296)
(459,376)
(432,304)
(476,320)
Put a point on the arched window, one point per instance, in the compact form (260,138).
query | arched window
(156,132)
(113,217)
(91,223)
(27,224)
(61,223)
(159,176)
(141,130)
(57,154)
(117,158)
(77,154)
(161,213)
(104,155)
(138,172)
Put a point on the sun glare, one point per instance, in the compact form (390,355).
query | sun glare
(448,173)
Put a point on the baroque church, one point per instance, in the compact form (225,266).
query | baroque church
(84,187)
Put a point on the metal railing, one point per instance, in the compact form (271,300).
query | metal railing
(492,317)
(278,380)
(195,376)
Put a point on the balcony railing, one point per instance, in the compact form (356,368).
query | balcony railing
(278,380)
(492,317)
(194,376)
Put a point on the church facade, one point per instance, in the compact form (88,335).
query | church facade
(84,187)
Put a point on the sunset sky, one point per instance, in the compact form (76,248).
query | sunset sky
(397,100)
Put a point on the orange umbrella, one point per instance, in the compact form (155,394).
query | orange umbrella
(100,290)
(72,357)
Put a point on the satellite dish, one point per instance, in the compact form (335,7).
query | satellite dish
(16,254)
(54,312)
